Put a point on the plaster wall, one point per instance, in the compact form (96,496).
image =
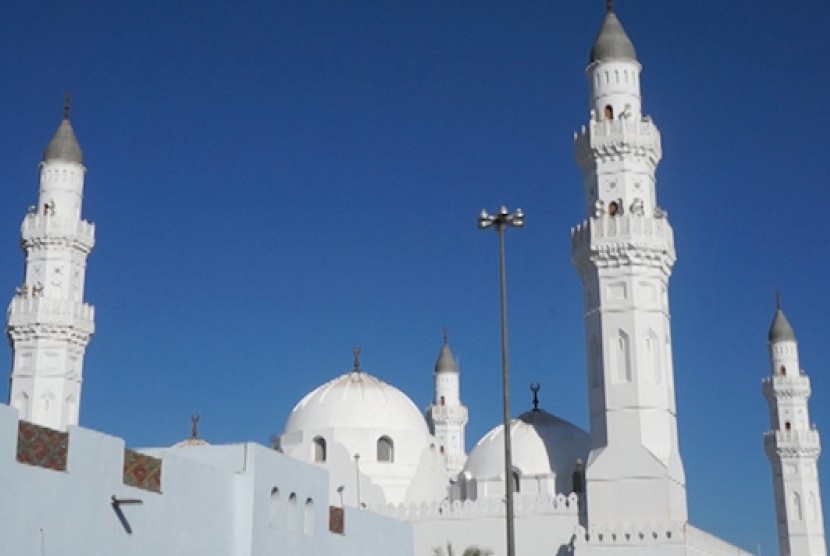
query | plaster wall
(213,500)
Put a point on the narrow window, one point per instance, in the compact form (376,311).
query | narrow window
(516,483)
(609,112)
(292,512)
(319,449)
(308,517)
(613,208)
(274,508)
(443,401)
(578,479)
(797,513)
(386,449)
(783,370)
(787,425)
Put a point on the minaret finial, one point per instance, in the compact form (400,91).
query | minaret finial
(67,104)
(446,335)
(777,300)
(356,353)
(609,6)
(535,387)
(194,427)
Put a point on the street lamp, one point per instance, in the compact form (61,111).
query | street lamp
(500,222)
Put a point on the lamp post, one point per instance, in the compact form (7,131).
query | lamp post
(500,222)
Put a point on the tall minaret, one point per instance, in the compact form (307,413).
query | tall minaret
(624,252)
(793,446)
(446,415)
(49,324)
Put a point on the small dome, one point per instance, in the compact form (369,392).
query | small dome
(190,442)
(780,329)
(64,146)
(355,400)
(612,42)
(542,444)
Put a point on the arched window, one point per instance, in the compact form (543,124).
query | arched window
(319,449)
(274,508)
(308,517)
(609,112)
(578,479)
(797,512)
(516,482)
(443,401)
(386,449)
(292,512)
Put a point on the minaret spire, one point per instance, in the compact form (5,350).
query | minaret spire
(624,253)
(792,445)
(446,416)
(49,325)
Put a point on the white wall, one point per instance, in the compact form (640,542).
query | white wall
(214,500)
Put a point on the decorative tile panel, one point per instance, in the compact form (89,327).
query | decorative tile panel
(337,520)
(41,446)
(142,471)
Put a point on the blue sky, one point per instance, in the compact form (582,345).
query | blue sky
(274,183)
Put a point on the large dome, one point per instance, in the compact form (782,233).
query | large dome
(359,425)
(542,445)
(356,400)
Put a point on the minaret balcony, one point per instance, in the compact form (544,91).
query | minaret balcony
(786,386)
(44,230)
(793,442)
(624,239)
(605,140)
(449,414)
(31,311)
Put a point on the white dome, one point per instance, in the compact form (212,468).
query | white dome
(358,424)
(542,444)
(356,400)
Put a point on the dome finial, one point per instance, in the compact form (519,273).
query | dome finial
(356,353)
(446,336)
(67,104)
(194,427)
(535,387)
(777,300)
(609,6)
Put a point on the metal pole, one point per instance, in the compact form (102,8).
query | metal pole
(501,221)
(505,386)
(357,476)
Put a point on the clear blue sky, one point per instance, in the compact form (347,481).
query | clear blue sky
(274,183)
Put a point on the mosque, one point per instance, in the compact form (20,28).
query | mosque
(358,468)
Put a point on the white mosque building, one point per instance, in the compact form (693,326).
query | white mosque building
(359,468)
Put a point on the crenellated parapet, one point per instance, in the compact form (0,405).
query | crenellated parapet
(607,241)
(793,443)
(786,386)
(488,507)
(30,318)
(632,535)
(40,231)
(607,140)
(449,414)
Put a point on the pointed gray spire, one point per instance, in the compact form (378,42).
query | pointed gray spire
(64,145)
(446,362)
(612,42)
(780,329)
